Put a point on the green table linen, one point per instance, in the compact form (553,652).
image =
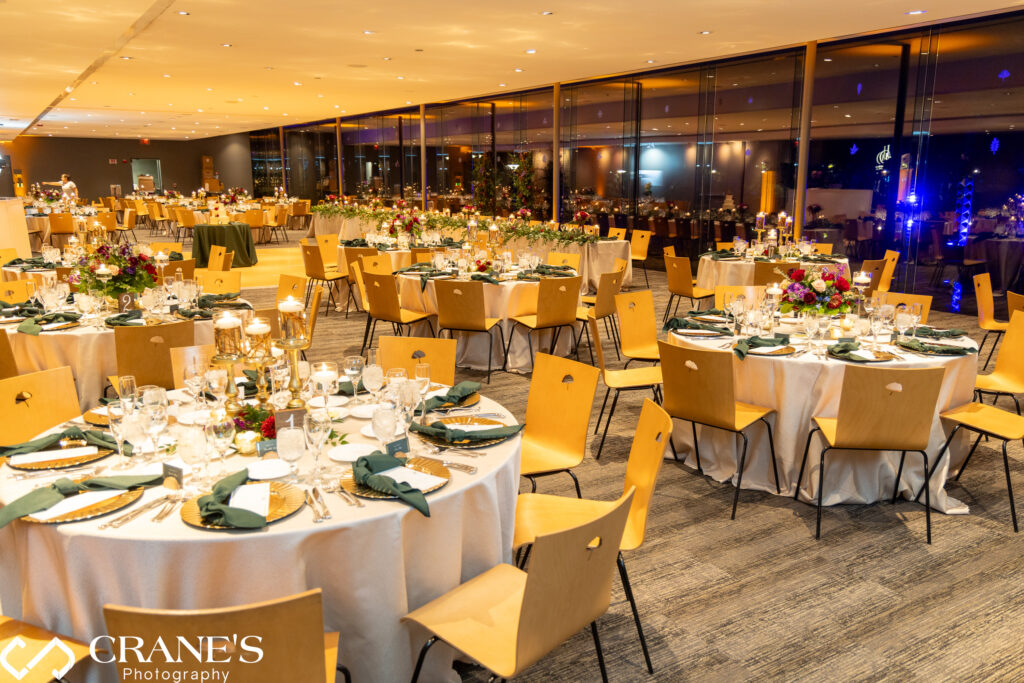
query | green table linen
(214,508)
(366,471)
(235,237)
(743,346)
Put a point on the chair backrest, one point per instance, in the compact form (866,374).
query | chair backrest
(105,218)
(983,295)
(356,273)
(569,583)
(166,247)
(726,292)
(289,631)
(1010,361)
(183,357)
(281,216)
(617,233)
(698,385)
(679,274)
(355,255)
(824,248)
(186,267)
(291,286)
(557,298)
(764,271)
(301,207)
(670,250)
(608,286)
(34,402)
(406,352)
(314,310)
(8,365)
(873,268)
(8,254)
(638,324)
(888,270)
(887,408)
(559,403)
(1014,302)
(378,264)
(145,351)
(254,218)
(313,261)
(328,247)
(273,319)
(897,298)
(128,220)
(650,439)
(639,243)
(17,291)
(382,296)
(724,245)
(218,259)
(62,223)
(460,305)
(217,282)
(555,258)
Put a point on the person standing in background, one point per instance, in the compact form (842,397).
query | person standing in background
(67,186)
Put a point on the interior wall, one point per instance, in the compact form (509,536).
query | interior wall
(88,161)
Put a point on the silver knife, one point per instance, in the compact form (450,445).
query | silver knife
(118,522)
(312,506)
(318,496)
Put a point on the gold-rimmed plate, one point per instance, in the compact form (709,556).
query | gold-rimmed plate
(285,500)
(698,333)
(104,507)
(784,351)
(466,443)
(65,326)
(879,357)
(146,322)
(714,319)
(96,419)
(465,402)
(63,463)
(425,465)
(11,321)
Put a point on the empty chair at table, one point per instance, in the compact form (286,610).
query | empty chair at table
(34,402)
(1008,377)
(186,223)
(679,274)
(555,258)
(602,308)
(767,272)
(461,307)
(378,264)
(922,300)
(165,247)
(215,282)
(986,314)
(145,351)
(318,273)
(62,228)
(618,233)
(556,309)
(187,359)
(186,267)
(220,258)
(638,326)
(407,352)
(726,293)
(8,364)
(278,222)
(291,286)
(383,304)
(17,291)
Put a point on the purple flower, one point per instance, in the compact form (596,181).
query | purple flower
(129,270)
(797,290)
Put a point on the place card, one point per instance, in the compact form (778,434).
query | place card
(254,498)
(172,471)
(414,478)
(398,446)
(765,350)
(863,354)
(51,456)
(74,503)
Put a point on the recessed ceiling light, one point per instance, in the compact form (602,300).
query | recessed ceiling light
(401,78)
(501,85)
(917,11)
(547,13)
(368,33)
(296,83)
(518,71)
(828,59)
(167,75)
(387,59)
(531,51)
(848,116)
(225,44)
(337,106)
(200,111)
(650,61)
(183,13)
(703,33)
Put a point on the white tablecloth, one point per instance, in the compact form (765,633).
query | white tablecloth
(801,388)
(711,273)
(595,259)
(374,564)
(88,351)
(344,228)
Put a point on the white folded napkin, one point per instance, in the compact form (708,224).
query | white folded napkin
(73,503)
(48,456)
(254,498)
(414,478)
(764,350)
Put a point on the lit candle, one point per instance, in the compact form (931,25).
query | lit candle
(258,334)
(103,269)
(227,334)
(862,278)
(292,314)
(774,290)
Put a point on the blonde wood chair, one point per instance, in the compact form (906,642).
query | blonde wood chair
(636,379)
(289,630)
(8,254)
(724,246)
(378,264)
(679,274)
(897,298)
(254,219)
(602,308)
(278,222)
(186,220)
(8,364)
(765,271)
(557,418)
(891,259)
(347,258)
(461,308)
(382,304)
(556,309)
(986,314)
(874,268)
(555,258)
(823,248)
(166,247)
(318,274)
(617,233)
(699,387)
(290,286)
(145,351)
(507,619)
(34,402)
(539,514)
(638,327)
(62,227)
(328,248)
(216,282)
(187,268)
(220,259)
(312,313)
(34,640)
(17,291)
(725,293)
(183,357)
(880,409)
(128,219)
(406,352)
(422,255)
(670,250)
(639,244)
(1008,377)
(1014,303)
(106,219)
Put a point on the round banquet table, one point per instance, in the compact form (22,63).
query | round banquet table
(374,564)
(711,273)
(1002,256)
(505,300)
(8,273)
(88,351)
(595,258)
(799,388)
(345,228)
(236,237)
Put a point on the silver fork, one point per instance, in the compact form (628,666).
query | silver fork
(462,467)
(318,496)
(58,473)
(312,506)
(172,503)
(118,522)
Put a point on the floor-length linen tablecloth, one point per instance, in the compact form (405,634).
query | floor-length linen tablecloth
(374,564)
(801,388)
(89,352)
(1002,257)
(344,228)
(237,237)
(711,273)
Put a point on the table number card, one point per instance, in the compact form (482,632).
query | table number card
(291,418)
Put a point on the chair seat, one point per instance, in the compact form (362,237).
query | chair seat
(529,321)
(491,322)
(540,458)
(984,418)
(329,276)
(633,377)
(994,326)
(406,316)
(585,313)
(748,413)
(480,617)
(35,639)
(828,426)
(998,381)
(642,352)
(538,514)
(589,299)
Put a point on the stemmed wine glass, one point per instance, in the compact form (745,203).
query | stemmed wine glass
(916,312)
(877,325)
(317,425)
(118,413)
(194,379)
(812,324)
(422,375)
(384,422)
(903,319)
(221,431)
(217,383)
(154,415)
(324,378)
(373,380)
(353,370)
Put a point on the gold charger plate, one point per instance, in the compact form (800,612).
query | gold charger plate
(148,322)
(96,510)
(285,500)
(713,319)
(699,333)
(466,402)
(784,351)
(425,465)
(14,321)
(61,464)
(96,419)
(464,420)
(65,326)
(880,357)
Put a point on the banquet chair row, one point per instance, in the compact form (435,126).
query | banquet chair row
(461,308)
(216,282)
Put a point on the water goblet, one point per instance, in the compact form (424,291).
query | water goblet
(221,431)
(291,446)
(316,426)
(353,370)
(384,423)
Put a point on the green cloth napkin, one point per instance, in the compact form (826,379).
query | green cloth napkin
(345,388)
(221,301)
(452,434)
(743,346)
(527,275)
(687,324)
(365,471)
(46,498)
(484,277)
(24,309)
(818,259)
(934,349)
(27,264)
(455,395)
(844,350)
(214,508)
(250,386)
(358,242)
(416,267)
(427,274)
(91,437)
(933,333)
(720,253)
(34,325)
(554,271)
(175,256)
(710,311)
(196,313)
(124,319)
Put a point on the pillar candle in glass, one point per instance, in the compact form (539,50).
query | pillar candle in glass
(257,333)
(227,334)
(293,318)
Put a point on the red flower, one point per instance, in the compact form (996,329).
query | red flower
(143,257)
(268,428)
(796,275)
(151,270)
(835,301)
(828,277)
(842,285)
(809,298)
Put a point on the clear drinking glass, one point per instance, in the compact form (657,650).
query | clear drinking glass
(217,383)
(316,425)
(221,431)
(353,366)
(385,420)
(194,379)
(373,380)
(916,311)
(192,449)
(904,320)
(291,446)
(118,413)
(324,378)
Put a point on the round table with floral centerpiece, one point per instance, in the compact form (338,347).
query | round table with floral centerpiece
(721,269)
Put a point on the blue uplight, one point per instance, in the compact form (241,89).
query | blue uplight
(853,149)
(860,86)
(954,304)
(1003,75)
(994,145)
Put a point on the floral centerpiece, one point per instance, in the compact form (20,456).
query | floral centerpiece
(235,195)
(402,224)
(115,270)
(523,214)
(255,419)
(172,194)
(581,218)
(816,289)
(484,266)
(46,195)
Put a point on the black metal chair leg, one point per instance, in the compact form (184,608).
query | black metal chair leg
(576,482)
(927,499)
(803,463)
(668,308)
(636,614)
(938,459)
(590,345)
(821,488)
(423,655)
(366,335)
(616,339)
(1009,488)
(739,478)
(345,673)
(607,422)
(604,403)
(899,473)
(995,342)
(600,653)
(696,448)
(554,339)
(501,339)
(508,347)
(963,466)
(526,556)
(771,447)
(533,484)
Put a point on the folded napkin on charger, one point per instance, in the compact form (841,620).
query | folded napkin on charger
(124,319)
(454,395)
(27,264)
(214,508)
(366,471)
(222,301)
(358,242)
(845,350)
(743,346)
(427,274)
(34,325)
(484,277)
(91,437)
(932,333)
(720,253)
(175,256)
(196,313)
(23,309)
(709,312)
(527,275)
(555,271)
(45,498)
(452,434)
(938,349)
(687,324)
(345,388)
(416,267)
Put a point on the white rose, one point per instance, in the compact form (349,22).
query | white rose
(819,285)
(145,250)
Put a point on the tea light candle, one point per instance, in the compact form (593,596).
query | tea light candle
(103,269)
(227,334)
(862,278)
(291,312)
(774,290)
